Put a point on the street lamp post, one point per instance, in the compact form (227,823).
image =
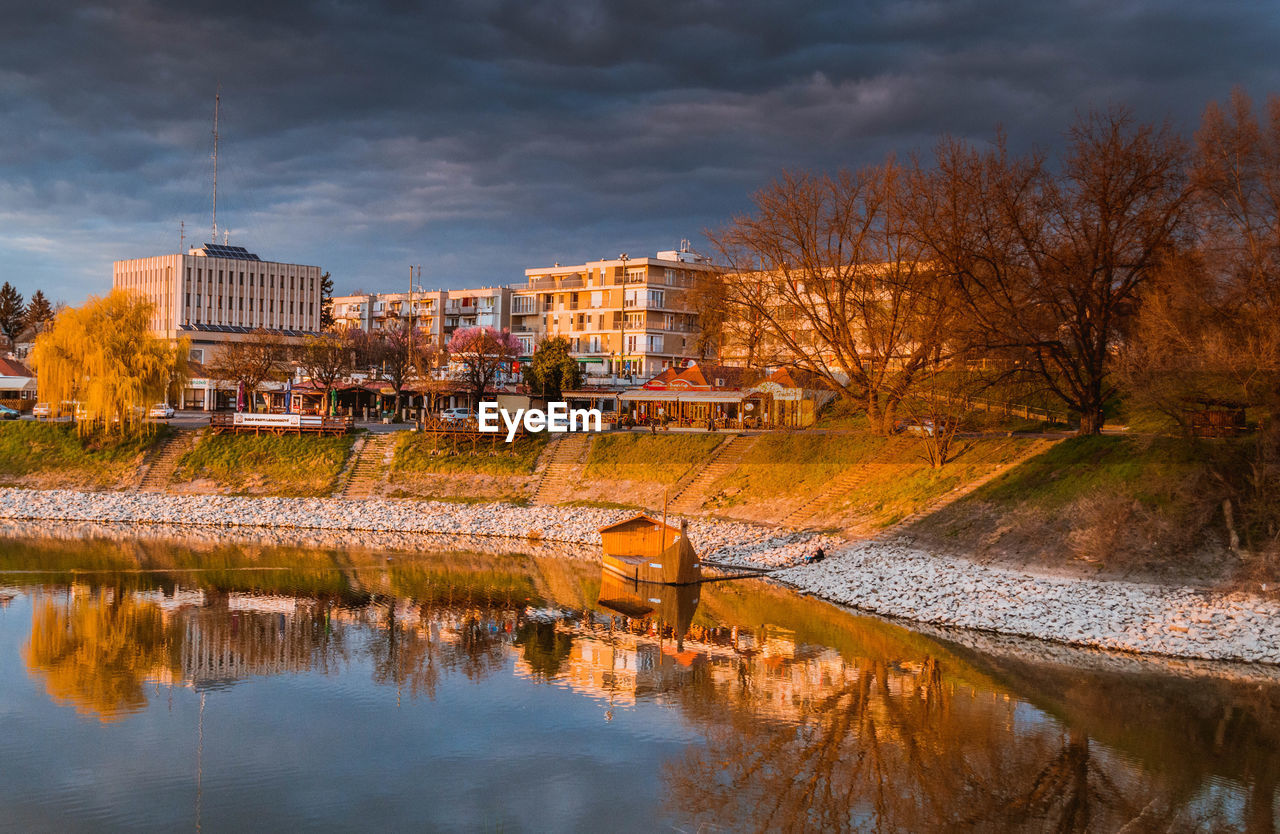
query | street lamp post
(622,345)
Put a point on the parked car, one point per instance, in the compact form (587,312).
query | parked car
(926,427)
(162,411)
(41,411)
(7,413)
(457,415)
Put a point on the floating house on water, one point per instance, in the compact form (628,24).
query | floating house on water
(644,549)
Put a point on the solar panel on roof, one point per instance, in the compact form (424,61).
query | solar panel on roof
(220,250)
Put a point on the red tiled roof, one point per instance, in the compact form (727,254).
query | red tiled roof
(663,379)
(12,367)
(704,377)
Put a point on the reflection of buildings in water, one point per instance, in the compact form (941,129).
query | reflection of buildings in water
(221,647)
(647,648)
(220,638)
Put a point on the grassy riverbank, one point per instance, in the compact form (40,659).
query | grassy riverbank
(52,455)
(424,466)
(660,459)
(1138,507)
(287,465)
(851,480)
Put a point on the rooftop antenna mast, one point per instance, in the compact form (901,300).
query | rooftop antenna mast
(182,235)
(217,102)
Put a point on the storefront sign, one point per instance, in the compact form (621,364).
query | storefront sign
(268,420)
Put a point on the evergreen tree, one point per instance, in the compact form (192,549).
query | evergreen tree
(39,312)
(552,371)
(326,302)
(12,312)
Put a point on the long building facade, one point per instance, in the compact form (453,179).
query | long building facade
(623,317)
(437,312)
(216,294)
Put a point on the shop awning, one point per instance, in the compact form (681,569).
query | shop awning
(641,395)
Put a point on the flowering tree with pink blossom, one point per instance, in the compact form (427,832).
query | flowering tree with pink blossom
(480,353)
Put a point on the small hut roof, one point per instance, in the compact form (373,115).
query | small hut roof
(628,522)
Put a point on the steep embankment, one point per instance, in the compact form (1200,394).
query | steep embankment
(858,482)
(285,465)
(1112,506)
(426,466)
(43,455)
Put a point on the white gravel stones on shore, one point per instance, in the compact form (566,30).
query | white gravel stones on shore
(728,542)
(899,581)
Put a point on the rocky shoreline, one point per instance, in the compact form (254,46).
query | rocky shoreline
(896,580)
(892,579)
(721,541)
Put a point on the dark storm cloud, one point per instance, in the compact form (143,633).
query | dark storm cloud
(485,136)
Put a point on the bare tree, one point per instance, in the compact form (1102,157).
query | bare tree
(481,353)
(1050,265)
(327,358)
(1209,329)
(828,269)
(390,354)
(249,363)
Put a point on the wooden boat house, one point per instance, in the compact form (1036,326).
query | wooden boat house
(668,605)
(644,549)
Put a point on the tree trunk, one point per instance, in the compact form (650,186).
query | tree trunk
(1090,420)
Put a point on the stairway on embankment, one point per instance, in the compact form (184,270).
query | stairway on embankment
(1038,447)
(371,466)
(566,457)
(690,493)
(158,470)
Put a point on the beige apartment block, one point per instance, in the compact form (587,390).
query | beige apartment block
(438,312)
(628,317)
(216,294)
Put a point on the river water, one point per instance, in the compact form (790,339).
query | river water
(155,680)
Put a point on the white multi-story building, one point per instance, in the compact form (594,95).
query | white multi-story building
(216,294)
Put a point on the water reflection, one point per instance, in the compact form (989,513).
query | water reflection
(799,716)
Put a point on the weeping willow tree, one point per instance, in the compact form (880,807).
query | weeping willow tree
(102,360)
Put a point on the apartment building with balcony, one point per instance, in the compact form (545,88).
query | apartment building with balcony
(437,312)
(623,317)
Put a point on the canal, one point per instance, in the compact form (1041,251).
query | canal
(153,679)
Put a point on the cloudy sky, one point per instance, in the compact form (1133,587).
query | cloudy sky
(481,137)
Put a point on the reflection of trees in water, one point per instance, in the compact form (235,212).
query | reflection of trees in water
(544,647)
(894,749)
(415,648)
(97,650)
